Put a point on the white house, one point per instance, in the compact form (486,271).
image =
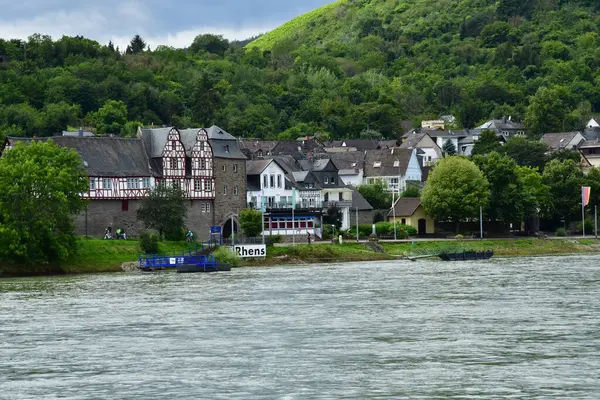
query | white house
(594,123)
(392,167)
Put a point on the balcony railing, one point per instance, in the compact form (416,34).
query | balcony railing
(316,205)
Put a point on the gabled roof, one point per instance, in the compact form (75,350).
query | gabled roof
(256,167)
(224,145)
(358,201)
(590,144)
(502,125)
(297,148)
(559,140)
(345,160)
(104,156)
(392,162)
(315,165)
(405,206)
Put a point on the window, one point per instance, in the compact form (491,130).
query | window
(173,145)
(272,180)
(327,196)
(92,183)
(124,205)
(225,190)
(207,186)
(235,168)
(332,180)
(235,190)
(146,183)
(173,163)
(202,164)
(226,148)
(377,164)
(265,181)
(341,196)
(106,184)
(403,221)
(279,181)
(326,180)
(205,207)
(396,163)
(224,168)
(132,183)
(201,146)
(197,185)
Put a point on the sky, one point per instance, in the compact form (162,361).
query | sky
(159,22)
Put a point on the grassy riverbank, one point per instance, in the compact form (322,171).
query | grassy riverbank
(96,256)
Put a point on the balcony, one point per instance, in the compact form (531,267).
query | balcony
(339,204)
(287,207)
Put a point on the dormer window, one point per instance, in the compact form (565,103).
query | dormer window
(396,163)
(377,164)
(353,165)
(326,180)
(226,148)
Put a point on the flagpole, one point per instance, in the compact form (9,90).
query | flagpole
(583,217)
(394,213)
(596,221)
(293,216)
(262,213)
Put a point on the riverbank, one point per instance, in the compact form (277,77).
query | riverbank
(98,256)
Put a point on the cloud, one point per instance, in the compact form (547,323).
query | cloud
(158,22)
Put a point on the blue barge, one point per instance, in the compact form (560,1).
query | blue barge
(190,260)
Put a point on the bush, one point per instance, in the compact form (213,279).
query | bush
(561,232)
(148,242)
(589,226)
(275,239)
(226,256)
(175,234)
(459,237)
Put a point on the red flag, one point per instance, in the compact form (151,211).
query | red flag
(585,195)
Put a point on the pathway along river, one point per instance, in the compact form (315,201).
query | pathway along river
(518,328)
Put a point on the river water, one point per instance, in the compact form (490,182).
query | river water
(519,328)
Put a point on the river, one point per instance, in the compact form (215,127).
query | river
(513,328)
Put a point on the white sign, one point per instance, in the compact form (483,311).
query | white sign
(172,261)
(250,250)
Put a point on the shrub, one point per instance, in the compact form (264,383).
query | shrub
(276,239)
(401,233)
(561,232)
(175,234)
(459,237)
(226,256)
(589,226)
(148,242)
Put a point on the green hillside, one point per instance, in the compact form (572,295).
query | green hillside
(355,68)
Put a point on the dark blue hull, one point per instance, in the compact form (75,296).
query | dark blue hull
(469,255)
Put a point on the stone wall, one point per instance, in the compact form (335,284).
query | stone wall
(364,217)
(230,203)
(197,220)
(104,213)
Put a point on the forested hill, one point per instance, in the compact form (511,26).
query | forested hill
(350,69)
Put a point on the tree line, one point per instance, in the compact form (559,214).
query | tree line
(363,71)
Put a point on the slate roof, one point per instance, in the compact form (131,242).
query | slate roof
(252,146)
(315,165)
(359,144)
(78,133)
(156,138)
(412,140)
(256,167)
(346,160)
(105,156)
(359,201)
(590,144)
(502,125)
(297,148)
(387,158)
(405,206)
(558,140)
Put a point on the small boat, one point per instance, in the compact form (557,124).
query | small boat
(193,268)
(467,255)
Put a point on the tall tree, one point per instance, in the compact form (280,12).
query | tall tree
(506,202)
(565,179)
(531,153)
(488,141)
(251,222)
(449,148)
(164,210)
(136,46)
(547,111)
(215,44)
(376,195)
(455,190)
(41,185)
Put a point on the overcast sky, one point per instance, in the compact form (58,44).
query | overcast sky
(173,23)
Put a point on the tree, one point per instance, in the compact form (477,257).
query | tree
(110,118)
(41,185)
(164,210)
(565,154)
(215,44)
(333,216)
(488,141)
(449,148)
(411,191)
(136,46)
(547,111)
(376,195)
(593,181)
(506,203)
(251,222)
(455,190)
(565,179)
(531,153)
(535,195)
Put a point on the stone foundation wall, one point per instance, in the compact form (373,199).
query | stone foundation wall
(230,203)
